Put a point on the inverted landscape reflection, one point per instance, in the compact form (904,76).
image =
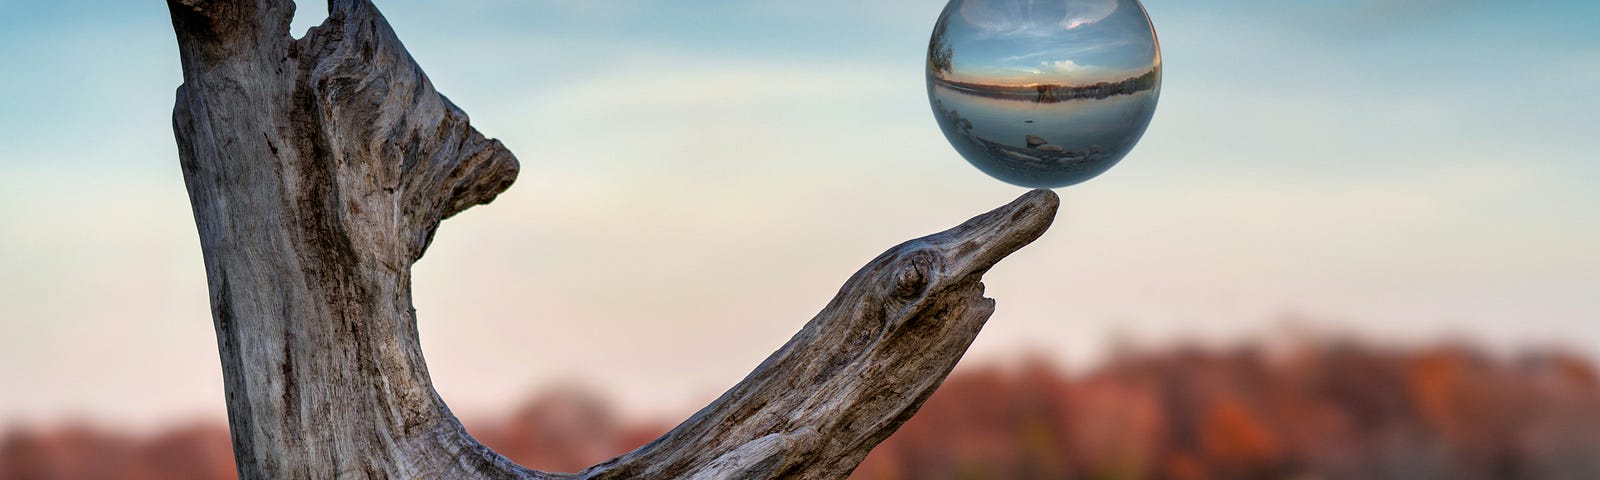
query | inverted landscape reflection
(1044,94)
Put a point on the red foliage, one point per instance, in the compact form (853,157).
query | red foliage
(1333,411)
(80,453)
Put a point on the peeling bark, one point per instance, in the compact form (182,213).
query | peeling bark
(318,170)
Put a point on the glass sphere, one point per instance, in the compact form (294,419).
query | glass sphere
(1044,93)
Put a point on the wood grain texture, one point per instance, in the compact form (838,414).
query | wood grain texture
(318,170)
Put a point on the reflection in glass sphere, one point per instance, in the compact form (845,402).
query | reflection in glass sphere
(1044,93)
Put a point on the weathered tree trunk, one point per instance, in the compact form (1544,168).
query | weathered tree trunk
(319,169)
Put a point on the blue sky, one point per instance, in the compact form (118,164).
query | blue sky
(1404,170)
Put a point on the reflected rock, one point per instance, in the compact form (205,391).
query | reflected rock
(1044,94)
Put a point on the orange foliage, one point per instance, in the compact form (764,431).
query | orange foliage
(1328,411)
(1333,411)
(80,453)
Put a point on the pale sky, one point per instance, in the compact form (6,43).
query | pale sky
(700,177)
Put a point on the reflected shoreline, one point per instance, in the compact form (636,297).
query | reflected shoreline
(1052,93)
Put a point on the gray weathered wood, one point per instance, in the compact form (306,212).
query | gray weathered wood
(318,170)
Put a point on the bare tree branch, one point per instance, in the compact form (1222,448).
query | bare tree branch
(318,170)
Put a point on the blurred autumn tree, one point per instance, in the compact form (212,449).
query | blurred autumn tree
(1326,411)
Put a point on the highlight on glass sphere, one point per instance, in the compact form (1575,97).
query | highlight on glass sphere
(1044,93)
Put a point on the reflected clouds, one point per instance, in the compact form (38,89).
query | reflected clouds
(1034,18)
(1087,12)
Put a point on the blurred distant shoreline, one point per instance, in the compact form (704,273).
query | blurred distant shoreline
(1322,409)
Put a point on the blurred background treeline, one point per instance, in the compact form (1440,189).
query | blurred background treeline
(1286,410)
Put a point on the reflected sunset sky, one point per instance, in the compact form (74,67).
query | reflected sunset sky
(1082,42)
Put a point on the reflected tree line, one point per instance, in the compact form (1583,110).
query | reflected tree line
(1050,93)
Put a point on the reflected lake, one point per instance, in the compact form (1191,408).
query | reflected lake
(1035,144)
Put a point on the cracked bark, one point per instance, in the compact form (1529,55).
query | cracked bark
(318,170)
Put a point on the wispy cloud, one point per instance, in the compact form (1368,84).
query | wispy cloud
(1085,12)
(1009,18)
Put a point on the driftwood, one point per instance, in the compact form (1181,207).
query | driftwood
(319,169)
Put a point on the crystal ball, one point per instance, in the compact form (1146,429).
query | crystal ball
(1044,93)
